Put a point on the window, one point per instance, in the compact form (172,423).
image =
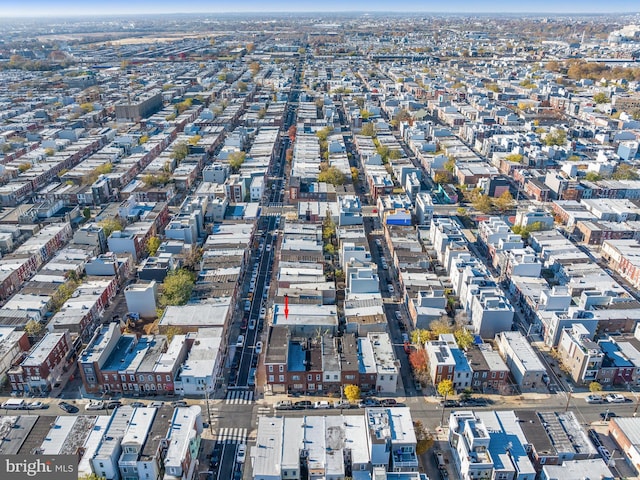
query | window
(318,378)
(350,377)
(484,374)
(271,378)
(295,377)
(309,377)
(281,368)
(285,473)
(381,377)
(151,378)
(168,378)
(335,377)
(124,386)
(123,378)
(271,368)
(281,378)
(158,378)
(133,378)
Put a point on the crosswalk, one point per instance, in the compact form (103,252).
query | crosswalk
(239,397)
(232,435)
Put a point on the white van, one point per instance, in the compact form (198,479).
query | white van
(15,404)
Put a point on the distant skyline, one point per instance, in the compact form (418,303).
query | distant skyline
(61,8)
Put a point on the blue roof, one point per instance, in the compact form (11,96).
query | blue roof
(614,355)
(477,339)
(121,352)
(462,365)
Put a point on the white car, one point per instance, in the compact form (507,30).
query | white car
(322,404)
(242,453)
(398,315)
(391,289)
(259,348)
(615,398)
(240,341)
(99,405)
(252,324)
(35,406)
(594,399)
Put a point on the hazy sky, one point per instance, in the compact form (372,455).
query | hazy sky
(82,7)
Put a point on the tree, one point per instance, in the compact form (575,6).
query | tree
(323,133)
(155,180)
(152,245)
(49,151)
(442,177)
(236,159)
(420,336)
(193,258)
(424,440)
(180,151)
(194,140)
(368,130)
(624,171)
(463,337)
(254,67)
(592,177)
(87,107)
(86,213)
(23,167)
(352,392)
(439,327)
(450,164)
(601,97)
(242,87)
(292,132)
(557,138)
(418,360)
(504,202)
(110,225)
(445,388)
(62,294)
(595,387)
(177,287)
(33,328)
(331,175)
(482,203)
(514,157)
(328,228)
(403,115)
(171,332)
(354,174)
(289,155)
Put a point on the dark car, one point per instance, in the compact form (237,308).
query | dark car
(608,415)
(449,403)
(388,402)
(113,404)
(67,407)
(303,404)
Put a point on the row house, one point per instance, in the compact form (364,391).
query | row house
(81,313)
(131,365)
(43,365)
(18,267)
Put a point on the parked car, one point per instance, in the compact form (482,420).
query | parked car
(607,415)
(252,324)
(440,459)
(67,407)
(113,404)
(284,405)
(251,381)
(388,402)
(36,406)
(343,404)
(137,404)
(594,399)
(94,405)
(398,315)
(391,289)
(615,398)
(303,404)
(156,404)
(322,404)
(369,402)
(449,403)
(240,341)
(179,403)
(242,453)
(259,348)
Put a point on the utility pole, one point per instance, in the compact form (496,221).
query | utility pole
(206,394)
(569,393)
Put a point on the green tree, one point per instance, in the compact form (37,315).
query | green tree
(328,228)
(450,164)
(601,97)
(86,213)
(556,138)
(323,133)
(152,245)
(180,151)
(177,287)
(33,328)
(368,130)
(420,336)
(514,157)
(442,177)
(23,167)
(482,203)
(624,171)
(171,332)
(592,177)
(331,175)
(236,159)
(595,387)
(504,202)
(110,225)
(352,392)
(62,294)
(439,327)
(463,337)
